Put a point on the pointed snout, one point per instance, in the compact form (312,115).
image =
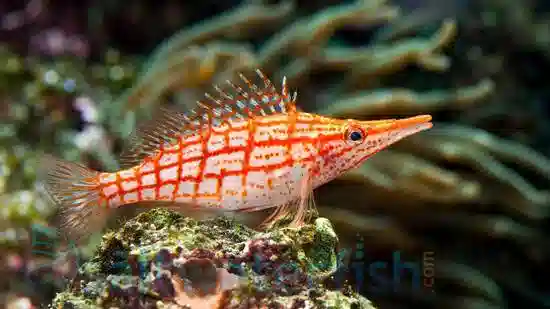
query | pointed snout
(410,125)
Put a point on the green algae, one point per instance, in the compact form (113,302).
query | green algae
(77,301)
(322,256)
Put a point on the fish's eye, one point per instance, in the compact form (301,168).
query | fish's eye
(355,134)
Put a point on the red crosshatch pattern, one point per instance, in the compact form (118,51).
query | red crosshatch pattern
(236,164)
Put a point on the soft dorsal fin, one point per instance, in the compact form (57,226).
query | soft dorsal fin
(231,104)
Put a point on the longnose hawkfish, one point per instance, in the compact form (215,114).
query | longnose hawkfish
(248,148)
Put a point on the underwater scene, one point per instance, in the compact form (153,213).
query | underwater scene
(226,154)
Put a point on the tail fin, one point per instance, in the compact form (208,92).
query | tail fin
(75,189)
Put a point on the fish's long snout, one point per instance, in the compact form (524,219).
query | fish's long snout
(412,121)
(408,125)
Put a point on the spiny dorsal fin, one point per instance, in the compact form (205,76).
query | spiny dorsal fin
(231,104)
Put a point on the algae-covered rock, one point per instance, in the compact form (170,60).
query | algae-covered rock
(161,259)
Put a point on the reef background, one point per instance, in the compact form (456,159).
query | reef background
(474,190)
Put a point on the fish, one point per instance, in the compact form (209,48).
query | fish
(246,148)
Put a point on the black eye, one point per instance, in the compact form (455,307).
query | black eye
(356,136)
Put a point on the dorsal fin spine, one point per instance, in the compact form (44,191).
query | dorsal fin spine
(223,93)
(284,90)
(249,84)
(156,134)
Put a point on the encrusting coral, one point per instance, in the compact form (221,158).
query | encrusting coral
(161,259)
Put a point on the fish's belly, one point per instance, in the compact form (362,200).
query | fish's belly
(254,189)
(261,189)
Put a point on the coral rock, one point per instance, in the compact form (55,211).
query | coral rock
(161,259)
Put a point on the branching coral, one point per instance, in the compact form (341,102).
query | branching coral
(406,101)
(196,67)
(244,21)
(425,53)
(481,151)
(305,38)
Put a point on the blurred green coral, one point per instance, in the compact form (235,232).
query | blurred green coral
(38,115)
(23,207)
